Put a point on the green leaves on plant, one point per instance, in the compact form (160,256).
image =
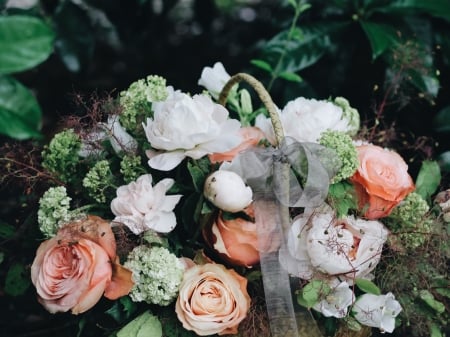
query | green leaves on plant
(441,121)
(437,8)
(17,280)
(428,179)
(367,286)
(143,326)
(25,41)
(20,114)
(342,197)
(262,65)
(429,299)
(312,293)
(122,309)
(381,37)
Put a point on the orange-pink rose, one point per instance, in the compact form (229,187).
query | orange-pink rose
(251,136)
(74,269)
(237,240)
(212,300)
(381,181)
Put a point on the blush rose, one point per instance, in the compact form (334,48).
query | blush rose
(212,300)
(72,270)
(381,181)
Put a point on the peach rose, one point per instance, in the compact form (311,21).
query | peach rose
(236,240)
(212,299)
(381,181)
(251,136)
(72,270)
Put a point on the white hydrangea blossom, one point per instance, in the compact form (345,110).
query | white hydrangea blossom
(227,191)
(141,206)
(305,119)
(156,273)
(214,79)
(378,311)
(185,126)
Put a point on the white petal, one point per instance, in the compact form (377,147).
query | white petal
(166,161)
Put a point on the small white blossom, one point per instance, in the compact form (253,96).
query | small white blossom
(227,191)
(141,206)
(214,79)
(185,126)
(337,302)
(378,311)
(305,119)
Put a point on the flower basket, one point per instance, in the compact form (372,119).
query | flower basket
(192,222)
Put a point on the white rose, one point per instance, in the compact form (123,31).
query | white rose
(337,302)
(305,119)
(141,206)
(214,79)
(185,126)
(348,247)
(378,311)
(227,191)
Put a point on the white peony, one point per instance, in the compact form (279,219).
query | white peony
(319,243)
(214,79)
(185,126)
(305,119)
(227,191)
(337,302)
(378,311)
(141,206)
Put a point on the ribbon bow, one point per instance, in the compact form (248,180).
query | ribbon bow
(313,164)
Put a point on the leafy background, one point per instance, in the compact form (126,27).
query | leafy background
(389,58)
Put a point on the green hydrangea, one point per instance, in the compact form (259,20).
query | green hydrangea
(61,155)
(157,274)
(131,168)
(349,113)
(98,180)
(409,222)
(54,210)
(136,100)
(343,145)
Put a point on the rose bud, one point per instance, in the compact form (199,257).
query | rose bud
(227,191)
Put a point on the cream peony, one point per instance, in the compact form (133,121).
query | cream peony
(185,126)
(305,119)
(319,243)
(212,300)
(214,79)
(378,311)
(141,206)
(227,191)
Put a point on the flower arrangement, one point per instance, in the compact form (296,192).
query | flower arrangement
(199,214)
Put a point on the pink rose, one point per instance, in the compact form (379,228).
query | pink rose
(251,136)
(236,240)
(212,299)
(381,181)
(74,269)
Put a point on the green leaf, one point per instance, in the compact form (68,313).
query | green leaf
(17,280)
(144,325)
(20,114)
(367,286)
(343,198)
(441,121)
(289,76)
(197,175)
(313,292)
(381,37)
(262,65)
(435,331)
(428,84)
(428,179)
(444,161)
(25,41)
(6,230)
(429,299)
(437,8)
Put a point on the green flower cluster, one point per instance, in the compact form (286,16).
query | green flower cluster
(131,168)
(54,210)
(409,222)
(61,157)
(343,145)
(97,181)
(157,274)
(136,101)
(349,113)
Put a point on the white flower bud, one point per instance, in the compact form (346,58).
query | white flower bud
(227,191)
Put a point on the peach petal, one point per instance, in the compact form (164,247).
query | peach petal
(121,282)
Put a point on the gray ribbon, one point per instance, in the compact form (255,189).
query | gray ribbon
(313,164)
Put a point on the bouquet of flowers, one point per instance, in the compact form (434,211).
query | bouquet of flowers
(201,215)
